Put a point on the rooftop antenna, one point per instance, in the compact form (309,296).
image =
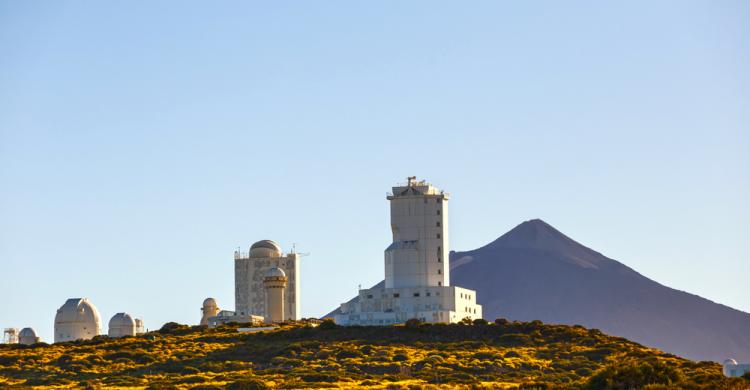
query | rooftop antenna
(294,250)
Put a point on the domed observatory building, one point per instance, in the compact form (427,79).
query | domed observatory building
(28,336)
(209,309)
(77,319)
(275,283)
(121,325)
(417,273)
(249,273)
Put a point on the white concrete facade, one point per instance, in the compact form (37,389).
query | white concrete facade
(732,369)
(249,272)
(77,319)
(417,278)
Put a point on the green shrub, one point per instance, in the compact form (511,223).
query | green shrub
(413,323)
(634,375)
(248,384)
(319,377)
(327,324)
(349,354)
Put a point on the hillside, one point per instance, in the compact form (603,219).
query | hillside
(497,355)
(535,272)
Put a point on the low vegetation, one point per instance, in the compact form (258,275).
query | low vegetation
(479,355)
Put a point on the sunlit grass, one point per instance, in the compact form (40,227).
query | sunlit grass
(493,356)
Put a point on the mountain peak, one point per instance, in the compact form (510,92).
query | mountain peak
(538,235)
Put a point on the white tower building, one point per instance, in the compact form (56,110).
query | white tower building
(77,319)
(121,325)
(275,283)
(209,309)
(249,272)
(28,336)
(417,273)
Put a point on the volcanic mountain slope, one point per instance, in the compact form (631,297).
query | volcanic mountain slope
(534,272)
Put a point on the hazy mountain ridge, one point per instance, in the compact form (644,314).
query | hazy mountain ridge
(536,272)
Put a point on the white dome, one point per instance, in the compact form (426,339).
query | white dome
(27,336)
(77,319)
(121,324)
(265,248)
(209,302)
(275,272)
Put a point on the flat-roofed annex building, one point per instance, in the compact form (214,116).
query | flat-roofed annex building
(417,273)
(249,272)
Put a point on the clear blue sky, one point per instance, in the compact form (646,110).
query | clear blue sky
(142,142)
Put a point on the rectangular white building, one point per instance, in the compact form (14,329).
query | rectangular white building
(417,273)
(249,271)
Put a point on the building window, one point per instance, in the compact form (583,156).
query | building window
(396,295)
(428,293)
(369,296)
(440,284)
(438,235)
(438,200)
(438,212)
(416,294)
(437,224)
(440,271)
(440,260)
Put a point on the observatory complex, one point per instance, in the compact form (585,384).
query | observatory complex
(417,273)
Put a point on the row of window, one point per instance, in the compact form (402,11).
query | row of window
(416,294)
(467,296)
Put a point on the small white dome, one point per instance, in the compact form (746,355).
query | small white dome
(730,362)
(121,324)
(27,336)
(265,248)
(209,302)
(275,272)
